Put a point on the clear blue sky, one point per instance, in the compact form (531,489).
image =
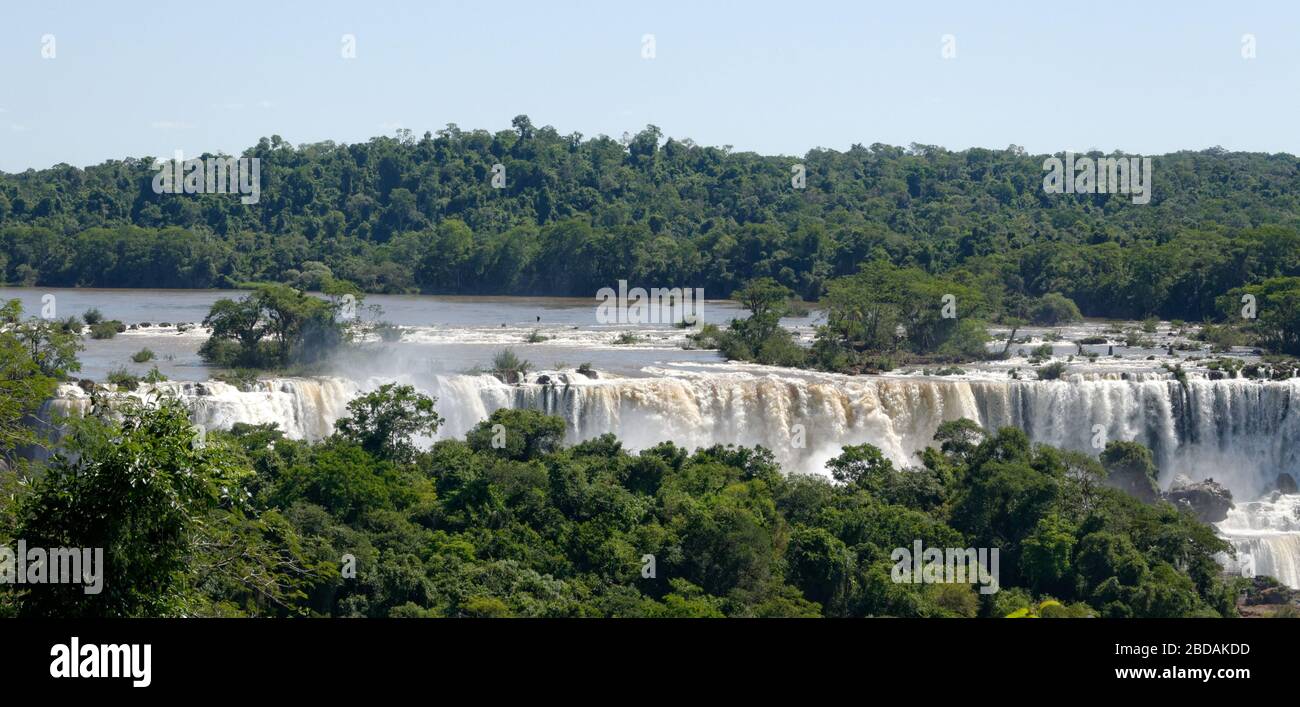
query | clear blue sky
(146,78)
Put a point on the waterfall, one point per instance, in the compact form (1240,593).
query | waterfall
(1240,432)
(304,408)
(1266,535)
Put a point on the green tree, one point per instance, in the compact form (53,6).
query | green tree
(1131,468)
(139,491)
(33,357)
(385,421)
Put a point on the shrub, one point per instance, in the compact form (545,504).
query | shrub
(1040,353)
(241,378)
(1136,339)
(103,330)
(123,378)
(143,355)
(154,376)
(1222,337)
(709,336)
(967,341)
(508,367)
(1052,371)
(92,317)
(780,349)
(71,325)
(1053,309)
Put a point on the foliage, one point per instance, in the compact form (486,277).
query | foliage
(275,325)
(885,309)
(103,330)
(384,421)
(507,366)
(1054,309)
(123,378)
(140,490)
(34,356)
(418,213)
(1278,315)
(46,344)
(1052,371)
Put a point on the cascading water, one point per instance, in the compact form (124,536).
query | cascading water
(304,408)
(1242,433)
(1266,534)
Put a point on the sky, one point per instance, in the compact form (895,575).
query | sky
(142,79)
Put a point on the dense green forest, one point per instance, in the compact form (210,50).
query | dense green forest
(407,213)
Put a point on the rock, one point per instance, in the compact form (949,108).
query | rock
(86,384)
(1266,590)
(1286,483)
(543,379)
(1208,500)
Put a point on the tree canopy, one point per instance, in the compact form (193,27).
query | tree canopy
(419,213)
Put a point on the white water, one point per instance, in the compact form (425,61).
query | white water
(304,408)
(1242,433)
(1266,534)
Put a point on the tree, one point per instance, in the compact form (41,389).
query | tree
(866,313)
(1054,309)
(138,489)
(47,344)
(1131,469)
(1277,304)
(385,421)
(1045,560)
(959,437)
(34,355)
(276,325)
(861,465)
(767,302)
(1015,323)
(517,434)
(820,565)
